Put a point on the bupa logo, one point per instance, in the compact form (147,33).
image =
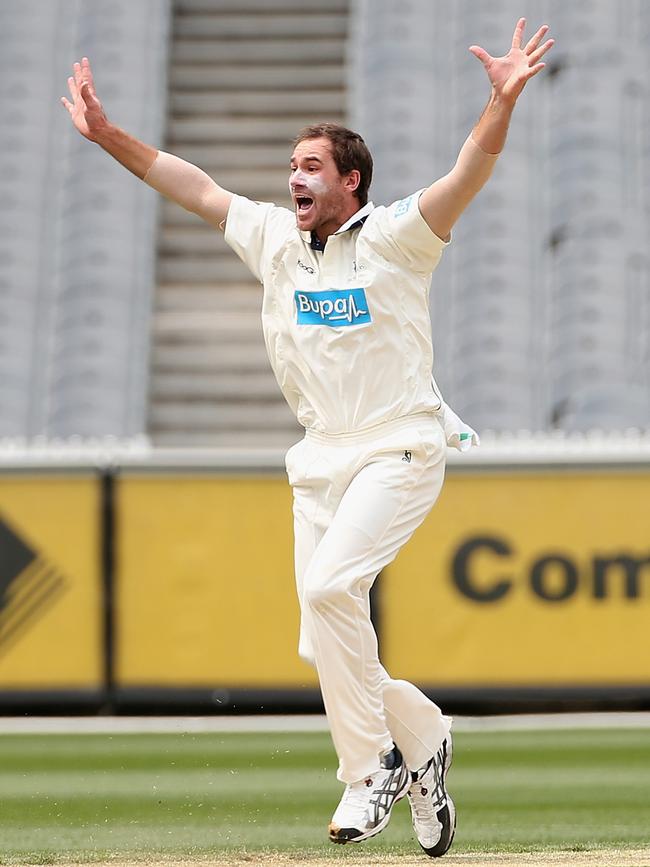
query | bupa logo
(333,307)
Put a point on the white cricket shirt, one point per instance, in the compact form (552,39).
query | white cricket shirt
(347,326)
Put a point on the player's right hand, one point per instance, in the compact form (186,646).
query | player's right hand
(85,109)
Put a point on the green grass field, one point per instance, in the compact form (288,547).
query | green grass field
(93,797)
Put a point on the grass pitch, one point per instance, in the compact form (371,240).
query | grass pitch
(144,797)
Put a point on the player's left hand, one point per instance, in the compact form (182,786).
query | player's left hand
(509,74)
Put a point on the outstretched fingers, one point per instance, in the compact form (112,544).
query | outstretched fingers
(534,41)
(75,93)
(481,53)
(87,74)
(72,87)
(76,71)
(536,56)
(534,70)
(80,83)
(518,34)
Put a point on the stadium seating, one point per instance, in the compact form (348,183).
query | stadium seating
(540,307)
(244,77)
(78,268)
(112,325)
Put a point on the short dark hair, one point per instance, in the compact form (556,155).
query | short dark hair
(348,149)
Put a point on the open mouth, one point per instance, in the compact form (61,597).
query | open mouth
(303,204)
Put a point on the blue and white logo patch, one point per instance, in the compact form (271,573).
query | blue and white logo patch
(333,307)
(403,206)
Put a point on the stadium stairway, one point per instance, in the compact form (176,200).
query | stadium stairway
(245,75)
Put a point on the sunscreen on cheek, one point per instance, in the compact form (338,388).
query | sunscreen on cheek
(317,186)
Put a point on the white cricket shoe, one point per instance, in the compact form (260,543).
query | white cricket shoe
(432,810)
(365,808)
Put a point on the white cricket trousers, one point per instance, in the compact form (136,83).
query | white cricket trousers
(357,498)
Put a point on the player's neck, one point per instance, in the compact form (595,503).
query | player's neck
(331,226)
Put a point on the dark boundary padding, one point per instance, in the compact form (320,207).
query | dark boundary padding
(531,699)
(220,700)
(51,702)
(488,700)
(140,700)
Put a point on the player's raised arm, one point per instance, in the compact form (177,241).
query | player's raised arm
(445,200)
(175,178)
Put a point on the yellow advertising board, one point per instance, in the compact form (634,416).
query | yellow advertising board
(50,582)
(522,578)
(525,579)
(205,592)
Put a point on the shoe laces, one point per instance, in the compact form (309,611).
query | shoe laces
(428,794)
(422,804)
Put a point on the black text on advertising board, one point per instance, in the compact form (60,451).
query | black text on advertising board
(487,569)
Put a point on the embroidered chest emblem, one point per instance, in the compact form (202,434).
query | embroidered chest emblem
(333,307)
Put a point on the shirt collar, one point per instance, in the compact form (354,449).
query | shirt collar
(353,222)
(356,219)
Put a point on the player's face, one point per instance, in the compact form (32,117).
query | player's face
(318,192)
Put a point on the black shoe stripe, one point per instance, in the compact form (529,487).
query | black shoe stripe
(446,836)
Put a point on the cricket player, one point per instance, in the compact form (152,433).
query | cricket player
(346,323)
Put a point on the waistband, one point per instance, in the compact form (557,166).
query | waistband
(368,434)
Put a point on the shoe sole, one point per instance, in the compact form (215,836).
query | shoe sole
(335,833)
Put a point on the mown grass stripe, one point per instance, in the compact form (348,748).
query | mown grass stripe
(94,797)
